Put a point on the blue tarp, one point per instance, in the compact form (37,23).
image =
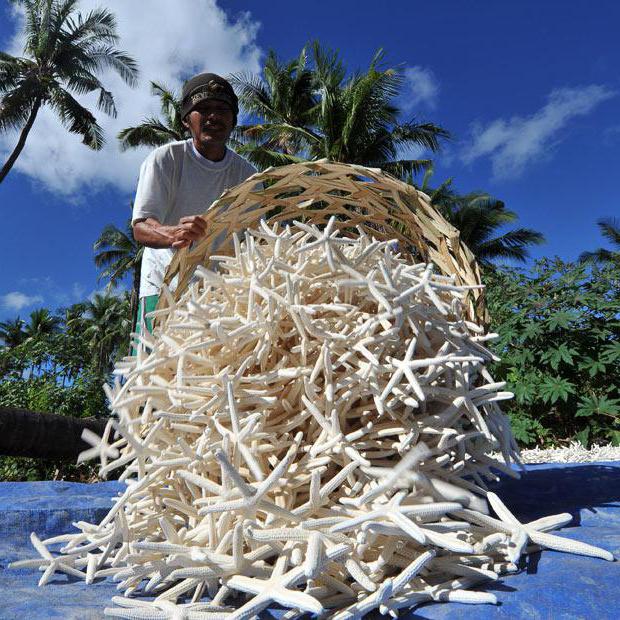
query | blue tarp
(550,585)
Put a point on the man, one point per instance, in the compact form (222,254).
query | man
(178,181)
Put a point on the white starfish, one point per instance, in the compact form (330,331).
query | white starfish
(364,371)
(278,588)
(100,446)
(253,497)
(529,531)
(328,238)
(392,511)
(389,588)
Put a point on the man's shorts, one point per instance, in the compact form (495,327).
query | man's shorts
(147,304)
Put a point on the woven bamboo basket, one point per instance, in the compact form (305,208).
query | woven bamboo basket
(380,204)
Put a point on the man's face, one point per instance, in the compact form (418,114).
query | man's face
(210,122)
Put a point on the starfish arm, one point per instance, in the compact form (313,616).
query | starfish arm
(136,613)
(353,522)
(568,545)
(246,490)
(518,542)
(40,547)
(314,555)
(238,504)
(278,470)
(246,584)
(407,525)
(413,382)
(451,543)
(357,572)
(501,511)
(299,600)
(251,609)
(551,522)
(466,597)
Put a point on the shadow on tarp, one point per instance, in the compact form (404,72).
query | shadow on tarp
(555,488)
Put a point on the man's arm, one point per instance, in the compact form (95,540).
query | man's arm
(153,202)
(151,233)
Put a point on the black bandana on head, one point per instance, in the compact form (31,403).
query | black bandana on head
(207,86)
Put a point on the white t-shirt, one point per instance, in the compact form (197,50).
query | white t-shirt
(177,181)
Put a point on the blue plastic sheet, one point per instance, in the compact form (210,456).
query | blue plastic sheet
(550,585)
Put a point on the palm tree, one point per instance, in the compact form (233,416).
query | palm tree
(610,229)
(153,131)
(44,435)
(62,55)
(117,253)
(108,328)
(42,323)
(12,332)
(478,216)
(312,114)
(74,315)
(285,100)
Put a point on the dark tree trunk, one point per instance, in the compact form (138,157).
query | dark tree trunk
(21,142)
(44,435)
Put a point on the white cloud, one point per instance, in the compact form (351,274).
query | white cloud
(16,301)
(55,294)
(421,88)
(171,41)
(513,143)
(117,291)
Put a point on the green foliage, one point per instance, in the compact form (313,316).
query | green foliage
(153,131)
(610,229)
(64,51)
(59,366)
(20,469)
(311,108)
(559,329)
(118,255)
(481,220)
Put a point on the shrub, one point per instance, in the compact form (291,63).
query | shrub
(559,342)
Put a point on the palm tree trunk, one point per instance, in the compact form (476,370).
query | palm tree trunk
(44,435)
(21,142)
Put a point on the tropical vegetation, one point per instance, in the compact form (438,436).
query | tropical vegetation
(558,322)
(153,131)
(481,220)
(559,340)
(610,229)
(57,362)
(119,256)
(311,108)
(64,51)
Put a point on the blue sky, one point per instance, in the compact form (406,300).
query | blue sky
(529,90)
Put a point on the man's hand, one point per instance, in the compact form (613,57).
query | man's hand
(151,233)
(188,230)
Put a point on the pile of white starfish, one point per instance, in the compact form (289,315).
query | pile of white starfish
(310,425)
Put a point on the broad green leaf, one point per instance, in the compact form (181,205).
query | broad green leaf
(553,389)
(524,392)
(598,405)
(562,318)
(592,366)
(611,352)
(559,354)
(531,331)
